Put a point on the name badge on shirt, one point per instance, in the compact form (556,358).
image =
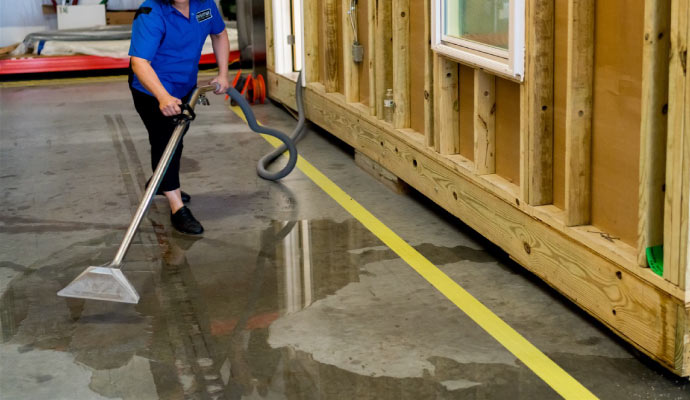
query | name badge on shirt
(204,15)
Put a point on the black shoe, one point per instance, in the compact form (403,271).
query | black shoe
(184,221)
(186,198)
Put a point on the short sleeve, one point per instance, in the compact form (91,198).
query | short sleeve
(147,32)
(217,23)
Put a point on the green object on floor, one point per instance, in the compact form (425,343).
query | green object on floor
(655,258)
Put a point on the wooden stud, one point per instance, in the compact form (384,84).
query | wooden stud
(428,78)
(537,104)
(655,68)
(384,53)
(270,50)
(436,60)
(331,78)
(446,125)
(401,63)
(311,41)
(578,123)
(484,122)
(371,54)
(684,249)
(351,84)
(674,262)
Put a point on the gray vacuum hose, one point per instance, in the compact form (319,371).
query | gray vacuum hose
(289,142)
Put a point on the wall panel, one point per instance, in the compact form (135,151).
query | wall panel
(508,130)
(617,117)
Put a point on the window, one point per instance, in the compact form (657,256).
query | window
(288,35)
(485,33)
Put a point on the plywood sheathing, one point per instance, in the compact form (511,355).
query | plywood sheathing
(616,119)
(508,130)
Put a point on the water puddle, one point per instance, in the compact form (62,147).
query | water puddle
(217,320)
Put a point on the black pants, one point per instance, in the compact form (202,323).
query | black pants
(160,130)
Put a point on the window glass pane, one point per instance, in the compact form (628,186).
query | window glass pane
(481,21)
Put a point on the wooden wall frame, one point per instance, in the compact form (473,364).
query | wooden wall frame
(604,276)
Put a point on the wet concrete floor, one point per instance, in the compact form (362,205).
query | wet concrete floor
(285,296)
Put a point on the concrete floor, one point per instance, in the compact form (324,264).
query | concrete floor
(285,296)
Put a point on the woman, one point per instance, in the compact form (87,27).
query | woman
(167,39)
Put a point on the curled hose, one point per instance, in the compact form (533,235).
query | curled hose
(289,142)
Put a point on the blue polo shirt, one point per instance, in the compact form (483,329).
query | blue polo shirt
(173,42)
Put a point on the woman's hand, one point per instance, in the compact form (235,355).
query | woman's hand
(221,81)
(170,106)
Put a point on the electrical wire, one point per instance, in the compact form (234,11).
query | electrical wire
(352,16)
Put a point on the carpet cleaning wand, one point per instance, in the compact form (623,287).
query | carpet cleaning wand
(107,282)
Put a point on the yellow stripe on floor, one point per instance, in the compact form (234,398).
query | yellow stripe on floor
(553,375)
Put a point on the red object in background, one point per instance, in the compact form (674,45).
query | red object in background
(253,88)
(28,65)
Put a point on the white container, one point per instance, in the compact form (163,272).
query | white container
(85,16)
(124,5)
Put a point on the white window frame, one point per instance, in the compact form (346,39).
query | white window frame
(282,28)
(508,63)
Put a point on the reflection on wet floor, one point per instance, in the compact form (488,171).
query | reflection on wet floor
(286,296)
(203,328)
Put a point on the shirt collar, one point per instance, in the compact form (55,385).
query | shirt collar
(192,8)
